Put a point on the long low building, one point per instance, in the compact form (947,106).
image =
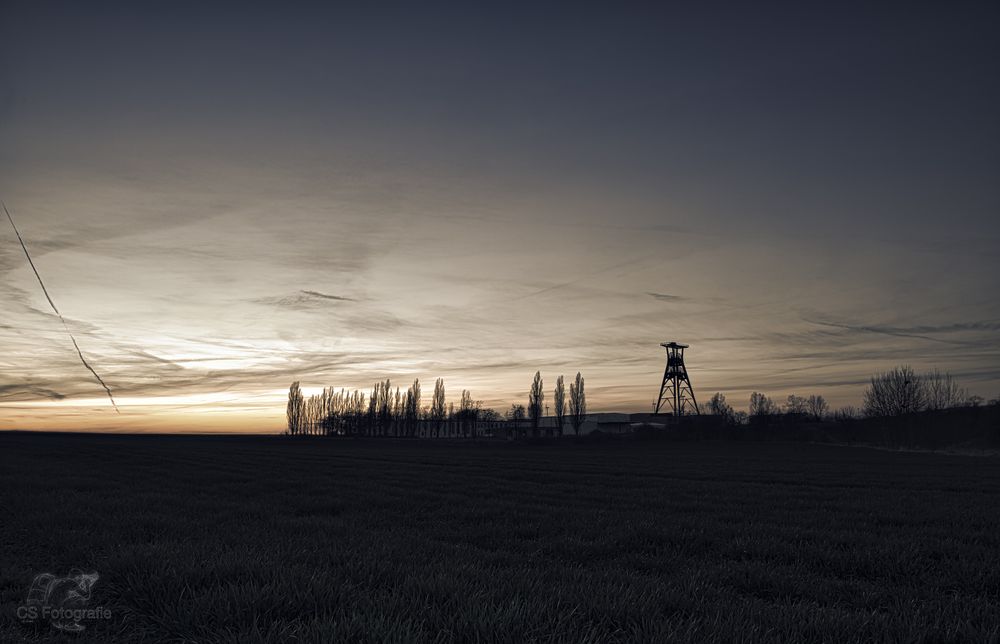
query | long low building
(605,422)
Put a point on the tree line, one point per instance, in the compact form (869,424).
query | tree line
(900,407)
(388,411)
(893,393)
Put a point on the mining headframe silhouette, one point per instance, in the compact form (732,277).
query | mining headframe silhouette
(676,394)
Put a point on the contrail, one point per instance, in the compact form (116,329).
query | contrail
(53,305)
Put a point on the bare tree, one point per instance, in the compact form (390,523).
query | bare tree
(515,415)
(296,408)
(397,413)
(560,400)
(535,399)
(373,406)
(385,408)
(407,426)
(309,424)
(942,391)
(411,408)
(346,413)
(718,406)
(329,410)
(577,404)
(973,401)
(761,406)
(847,413)
(795,405)
(467,413)
(817,407)
(437,406)
(896,392)
(415,411)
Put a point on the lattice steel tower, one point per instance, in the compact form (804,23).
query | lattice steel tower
(676,392)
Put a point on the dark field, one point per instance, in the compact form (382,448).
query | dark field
(203,539)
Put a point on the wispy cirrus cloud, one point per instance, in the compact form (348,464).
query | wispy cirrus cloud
(303,300)
(665,297)
(327,296)
(926,332)
(28,390)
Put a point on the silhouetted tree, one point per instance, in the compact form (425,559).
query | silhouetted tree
(515,415)
(380,409)
(296,409)
(415,411)
(817,407)
(311,415)
(357,412)
(577,404)
(468,414)
(973,401)
(718,406)
(535,399)
(896,392)
(328,411)
(795,405)
(437,406)
(411,411)
(397,413)
(942,391)
(761,406)
(371,418)
(560,400)
(346,414)
(847,413)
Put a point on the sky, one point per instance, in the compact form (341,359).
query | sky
(223,199)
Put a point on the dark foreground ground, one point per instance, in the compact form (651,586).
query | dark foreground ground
(246,539)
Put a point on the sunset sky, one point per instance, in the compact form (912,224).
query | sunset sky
(223,200)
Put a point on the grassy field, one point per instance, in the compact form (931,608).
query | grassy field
(246,539)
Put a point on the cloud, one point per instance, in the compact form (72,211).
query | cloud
(303,300)
(590,275)
(956,327)
(664,297)
(325,296)
(919,332)
(29,391)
